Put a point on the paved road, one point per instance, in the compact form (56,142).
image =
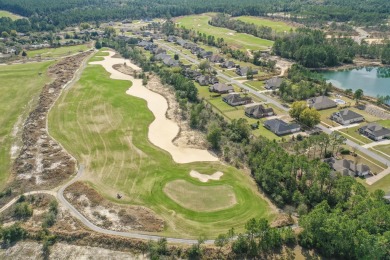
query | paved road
(229,79)
(277,104)
(359,147)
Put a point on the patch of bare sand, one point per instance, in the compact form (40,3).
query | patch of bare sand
(204,177)
(106,214)
(162,131)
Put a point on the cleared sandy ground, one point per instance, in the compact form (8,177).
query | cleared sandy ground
(204,177)
(162,131)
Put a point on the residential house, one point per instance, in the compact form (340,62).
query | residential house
(196,50)
(205,80)
(216,59)
(346,117)
(158,50)
(170,62)
(279,127)
(243,71)
(228,64)
(375,131)
(221,88)
(273,83)
(191,74)
(180,42)
(321,103)
(161,56)
(348,167)
(235,99)
(258,111)
(205,54)
(171,38)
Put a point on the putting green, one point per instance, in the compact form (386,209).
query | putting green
(107,131)
(200,198)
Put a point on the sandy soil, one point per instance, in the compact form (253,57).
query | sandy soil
(33,250)
(162,131)
(204,177)
(106,214)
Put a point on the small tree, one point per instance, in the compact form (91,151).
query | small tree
(214,136)
(24,54)
(297,109)
(310,117)
(176,56)
(358,95)
(221,241)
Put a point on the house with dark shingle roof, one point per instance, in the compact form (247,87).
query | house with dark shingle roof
(216,59)
(205,80)
(279,127)
(348,167)
(321,103)
(243,71)
(228,64)
(170,62)
(375,131)
(161,56)
(258,111)
(273,83)
(235,99)
(346,117)
(221,88)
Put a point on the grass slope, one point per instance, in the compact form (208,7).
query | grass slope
(238,40)
(20,87)
(277,26)
(57,52)
(106,130)
(10,15)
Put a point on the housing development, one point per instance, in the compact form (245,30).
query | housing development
(172,130)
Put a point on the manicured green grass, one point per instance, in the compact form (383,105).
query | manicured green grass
(356,137)
(384,149)
(239,40)
(9,15)
(57,52)
(382,184)
(384,123)
(201,199)
(277,26)
(256,85)
(107,131)
(19,88)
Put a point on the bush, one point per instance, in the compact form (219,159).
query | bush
(23,210)
(344,151)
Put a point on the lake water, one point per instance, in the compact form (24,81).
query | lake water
(373,80)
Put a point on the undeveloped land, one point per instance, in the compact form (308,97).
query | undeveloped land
(111,216)
(42,162)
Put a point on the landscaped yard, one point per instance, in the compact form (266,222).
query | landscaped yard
(256,85)
(239,40)
(107,131)
(277,26)
(325,114)
(57,52)
(353,134)
(19,90)
(384,150)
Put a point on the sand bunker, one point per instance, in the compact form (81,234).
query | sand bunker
(204,177)
(162,130)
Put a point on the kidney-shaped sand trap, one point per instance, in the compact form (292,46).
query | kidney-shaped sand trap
(205,177)
(200,198)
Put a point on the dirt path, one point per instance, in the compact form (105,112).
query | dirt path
(162,131)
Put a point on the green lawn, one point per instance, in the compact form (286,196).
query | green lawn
(10,15)
(201,199)
(57,52)
(256,85)
(356,137)
(277,26)
(106,130)
(239,40)
(20,87)
(383,149)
